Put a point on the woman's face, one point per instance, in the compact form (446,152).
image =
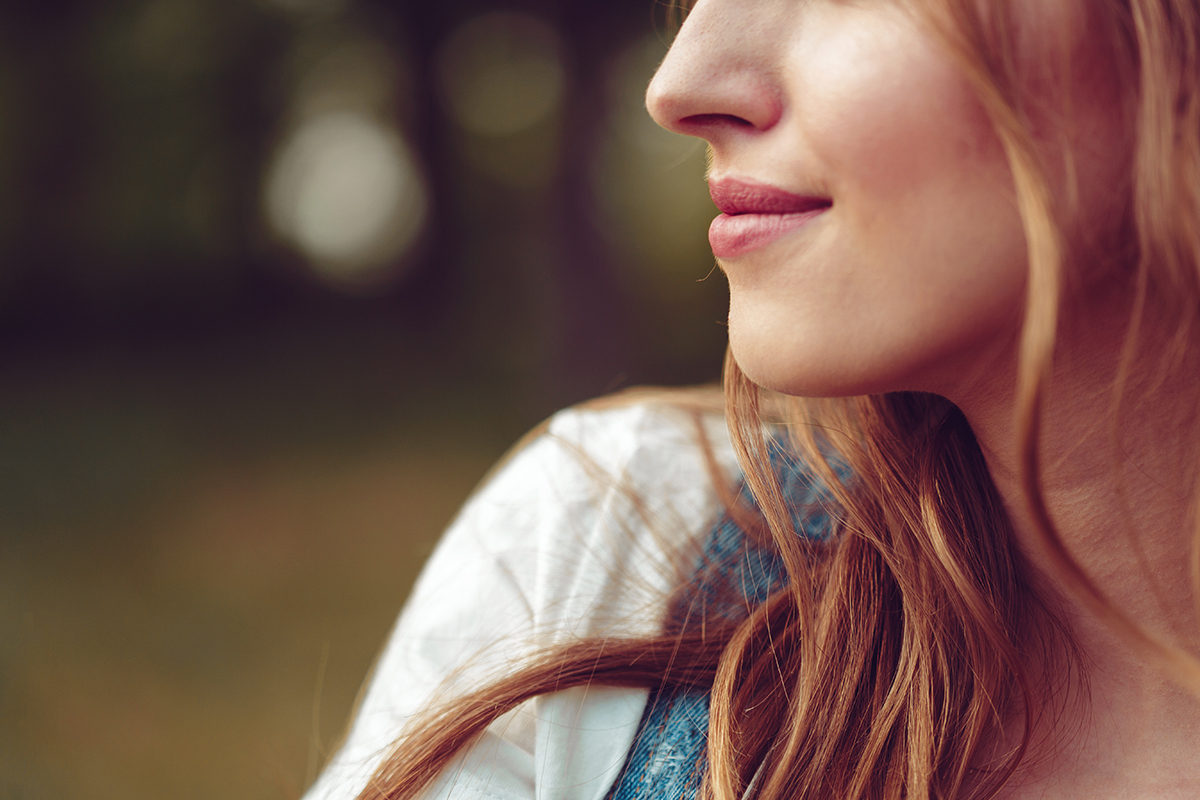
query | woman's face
(872,240)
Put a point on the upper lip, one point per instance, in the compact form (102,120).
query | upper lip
(735,196)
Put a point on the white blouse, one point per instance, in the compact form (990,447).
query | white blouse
(584,532)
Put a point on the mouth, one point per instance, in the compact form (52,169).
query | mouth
(754,214)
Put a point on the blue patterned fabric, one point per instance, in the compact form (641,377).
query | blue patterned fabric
(668,759)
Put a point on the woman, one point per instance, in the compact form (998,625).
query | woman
(973,227)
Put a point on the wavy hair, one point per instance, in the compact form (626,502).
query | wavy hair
(913,637)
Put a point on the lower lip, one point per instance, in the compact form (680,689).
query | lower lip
(735,235)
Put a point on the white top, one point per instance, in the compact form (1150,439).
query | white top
(551,548)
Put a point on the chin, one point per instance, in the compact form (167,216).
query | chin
(832,360)
(798,376)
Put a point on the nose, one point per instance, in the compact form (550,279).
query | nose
(716,81)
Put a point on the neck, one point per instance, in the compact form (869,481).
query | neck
(1118,496)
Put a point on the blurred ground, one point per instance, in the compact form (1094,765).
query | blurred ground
(201,559)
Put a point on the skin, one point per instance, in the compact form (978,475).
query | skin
(915,279)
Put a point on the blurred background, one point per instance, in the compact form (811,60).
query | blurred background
(279,279)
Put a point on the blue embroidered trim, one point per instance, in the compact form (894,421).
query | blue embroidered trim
(669,757)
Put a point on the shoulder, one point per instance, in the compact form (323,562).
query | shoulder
(650,449)
(590,516)
(582,531)
(631,435)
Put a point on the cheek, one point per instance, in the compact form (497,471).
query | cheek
(923,259)
(927,195)
(890,116)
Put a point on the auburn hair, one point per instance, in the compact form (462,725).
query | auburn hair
(904,642)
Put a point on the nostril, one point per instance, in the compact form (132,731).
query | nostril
(713,120)
(703,125)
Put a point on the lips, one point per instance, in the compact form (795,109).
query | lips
(753,215)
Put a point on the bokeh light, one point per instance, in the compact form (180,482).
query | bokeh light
(346,191)
(502,73)
(344,187)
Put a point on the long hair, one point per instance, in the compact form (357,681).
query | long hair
(903,644)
